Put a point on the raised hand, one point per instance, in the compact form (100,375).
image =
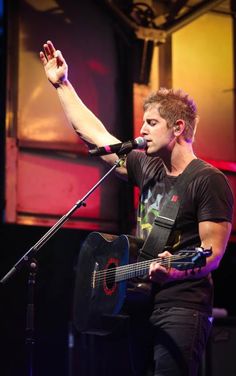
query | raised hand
(54,64)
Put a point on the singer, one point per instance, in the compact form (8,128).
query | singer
(180,321)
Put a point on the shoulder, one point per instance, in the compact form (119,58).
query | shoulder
(205,168)
(141,168)
(212,194)
(144,161)
(210,175)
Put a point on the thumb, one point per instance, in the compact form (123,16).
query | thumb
(57,54)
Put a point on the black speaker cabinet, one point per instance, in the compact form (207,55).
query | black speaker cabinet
(220,357)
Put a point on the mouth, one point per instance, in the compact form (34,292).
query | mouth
(148,144)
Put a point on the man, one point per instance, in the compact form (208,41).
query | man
(181,316)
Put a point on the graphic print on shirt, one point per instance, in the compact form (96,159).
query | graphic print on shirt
(151,202)
(149,208)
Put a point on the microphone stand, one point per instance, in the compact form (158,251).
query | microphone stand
(30,340)
(29,258)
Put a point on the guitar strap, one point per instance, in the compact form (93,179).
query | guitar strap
(165,220)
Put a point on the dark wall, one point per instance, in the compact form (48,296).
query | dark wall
(224,279)
(53,294)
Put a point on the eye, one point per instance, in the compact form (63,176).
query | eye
(152,122)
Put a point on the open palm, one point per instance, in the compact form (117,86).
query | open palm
(55,70)
(54,64)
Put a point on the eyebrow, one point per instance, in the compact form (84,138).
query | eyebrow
(148,120)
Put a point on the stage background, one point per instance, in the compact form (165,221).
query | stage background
(45,168)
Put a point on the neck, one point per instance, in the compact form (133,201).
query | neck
(176,160)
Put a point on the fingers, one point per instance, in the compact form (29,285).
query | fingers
(43,58)
(58,55)
(156,268)
(50,48)
(51,53)
(48,53)
(158,272)
(54,64)
(164,254)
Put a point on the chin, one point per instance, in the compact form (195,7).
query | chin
(152,153)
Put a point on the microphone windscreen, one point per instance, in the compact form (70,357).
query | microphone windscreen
(140,142)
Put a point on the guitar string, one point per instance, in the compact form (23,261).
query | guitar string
(116,272)
(142,264)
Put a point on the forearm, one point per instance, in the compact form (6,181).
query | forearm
(210,261)
(195,273)
(84,122)
(172,274)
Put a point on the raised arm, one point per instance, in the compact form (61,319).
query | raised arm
(84,122)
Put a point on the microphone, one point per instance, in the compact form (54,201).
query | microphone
(120,148)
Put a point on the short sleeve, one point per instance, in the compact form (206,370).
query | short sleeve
(134,167)
(215,198)
(142,168)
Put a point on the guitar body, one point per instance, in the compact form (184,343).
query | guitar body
(105,264)
(94,306)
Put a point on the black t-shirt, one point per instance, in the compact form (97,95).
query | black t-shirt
(207,198)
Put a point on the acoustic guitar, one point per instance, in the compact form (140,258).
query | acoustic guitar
(105,264)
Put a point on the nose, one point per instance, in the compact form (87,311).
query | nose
(143,130)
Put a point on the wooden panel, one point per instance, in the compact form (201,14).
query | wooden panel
(47,186)
(47,167)
(203,66)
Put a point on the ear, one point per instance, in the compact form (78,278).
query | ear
(179,127)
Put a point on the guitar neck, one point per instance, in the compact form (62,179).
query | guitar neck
(138,269)
(141,268)
(185,259)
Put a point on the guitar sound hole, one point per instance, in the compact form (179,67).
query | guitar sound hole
(110,276)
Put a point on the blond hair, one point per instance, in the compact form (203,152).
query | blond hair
(175,105)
